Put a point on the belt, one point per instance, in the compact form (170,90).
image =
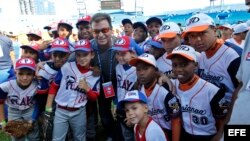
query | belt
(68,108)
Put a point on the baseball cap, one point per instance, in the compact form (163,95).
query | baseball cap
(83,45)
(84,19)
(225,26)
(35,32)
(155,42)
(169,30)
(133,96)
(124,21)
(140,24)
(124,43)
(26,63)
(185,51)
(154,19)
(145,57)
(60,44)
(198,23)
(32,45)
(239,28)
(248,22)
(65,22)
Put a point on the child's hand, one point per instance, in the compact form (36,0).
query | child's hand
(83,85)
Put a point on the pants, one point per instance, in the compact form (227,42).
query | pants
(64,119)
(15,114)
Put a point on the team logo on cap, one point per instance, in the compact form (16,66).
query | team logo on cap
(193,20)
(25,61)
(82,43)
(59,42)
(120,41)
(131,94)
(165,27)
(184,48)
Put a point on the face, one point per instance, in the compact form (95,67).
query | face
(157,52)
(85,31)
(227,33)
(146,73)
(202,41)
(123,57)
(24,77)
(183,69)
(139,35)
(83,58)
(135,111)
(30,53)
(153,29)
(63,31)
(170,43)
(102,32)
(59,58)
(128,29)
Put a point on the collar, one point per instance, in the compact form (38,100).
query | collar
(149,90)
(213,49)
(190,84)
(82,69)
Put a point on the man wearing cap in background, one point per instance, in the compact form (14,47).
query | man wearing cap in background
(218,63)
(153,25)
(226,31)
(239,34)
(140,35)
(128,27)
(170,35)
(84,28)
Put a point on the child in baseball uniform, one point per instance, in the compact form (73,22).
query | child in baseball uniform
(201,101)
(30,50)
(19,95)
(136,108)
(126,78)
(163,106)
(72,87)
(59,54)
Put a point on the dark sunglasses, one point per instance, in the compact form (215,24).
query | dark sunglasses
(103,30)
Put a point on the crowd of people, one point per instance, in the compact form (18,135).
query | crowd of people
(153,82)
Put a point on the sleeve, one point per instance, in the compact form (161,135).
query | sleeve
(172,105)
(56,83)
(155,134)
(94,92)
(43,86)
(232,71)
(4,90)
(218,104)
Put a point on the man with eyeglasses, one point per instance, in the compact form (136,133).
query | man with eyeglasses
(218,63)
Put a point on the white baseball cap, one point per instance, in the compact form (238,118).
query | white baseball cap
(184,51)
(145,57)
(225,26)
(198,23)
(169,30)
(239,28)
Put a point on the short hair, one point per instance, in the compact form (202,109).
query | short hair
(101,16)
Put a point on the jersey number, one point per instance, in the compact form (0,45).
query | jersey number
(199,120)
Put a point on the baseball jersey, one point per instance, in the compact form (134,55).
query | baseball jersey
(153,132)
(232,40)
(16,97)
(162,106)
(125,80)
(220,69)
(164,65)
(48,74)
(199,105)
(69,94)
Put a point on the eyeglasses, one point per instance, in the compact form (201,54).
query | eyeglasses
(103,30)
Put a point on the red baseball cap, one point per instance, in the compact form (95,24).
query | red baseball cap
(65,22)
(32,45)
(84,19)
(26,63)
(35,32)
(60,44)
(83,45)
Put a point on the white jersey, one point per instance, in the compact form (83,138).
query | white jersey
(196,110)
(215,69)
(232,40)
(69,94)
(18,98)
(164,65)
(153,132)
(125,80)
(48,73)
(158,110)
